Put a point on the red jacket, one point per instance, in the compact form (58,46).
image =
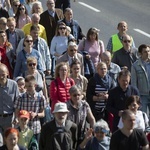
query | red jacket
(60,92)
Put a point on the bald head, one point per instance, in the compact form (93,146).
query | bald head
(35,19)
(106,58)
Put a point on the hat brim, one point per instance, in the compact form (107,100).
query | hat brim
(24,116)
(55,111)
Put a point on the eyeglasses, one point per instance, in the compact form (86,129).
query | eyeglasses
(126,41)
(75,95)
(50,3)
(16,5)
(71,50)
(32,64)
(21,8)
(29,41)
(62,28)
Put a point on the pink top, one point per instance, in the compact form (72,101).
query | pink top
(23,21)
(94,49)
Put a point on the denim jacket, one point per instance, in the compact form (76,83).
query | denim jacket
(139,77)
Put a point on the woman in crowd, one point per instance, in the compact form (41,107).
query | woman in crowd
(80,81)
(100,140)
(28,51)
(39,76)
(21,16)
(11,137)
(37,8)
(59,88)
(92,47)
(13,9)
(79,111)
(97,91)
(133,103)
(6,52)
(3,23)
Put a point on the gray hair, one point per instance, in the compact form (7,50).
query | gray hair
(74,89)
(101,124)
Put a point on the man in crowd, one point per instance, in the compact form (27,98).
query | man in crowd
(60,122)
(140,75)
(118,95)
(115,42)
(72,55)
(8,93)
(35,21)
(128,138)
(125,56)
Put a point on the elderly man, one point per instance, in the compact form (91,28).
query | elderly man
(72,55)
(125,56)
(113,69)
(114,42)
(35,21)
(117,96)
(60,125)
(129,138)
(140,75)
(8,93)
(40,45)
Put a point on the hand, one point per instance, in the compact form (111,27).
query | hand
(47,72)
(15,121)
(88,56)
(120,113)
(32,115)
(89,134)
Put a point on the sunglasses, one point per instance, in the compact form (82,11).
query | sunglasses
(21,9)
(75,95)
(62,28)
(16,5)
(29,41)
(32,64)
(126,41)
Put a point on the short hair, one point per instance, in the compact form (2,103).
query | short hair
(72,43)
(11,19)
(141,47)
(31,59)
(68,10)
(35,15)
(122,22)
(9,131)
(75,62)
(58,66)
(100,64)
(2,19)
(126,113)
(30,78)
(131,99)
(92,31)
(74,89)
(124,72)
(34,28)
(101,124)
(4,66)
(126,35)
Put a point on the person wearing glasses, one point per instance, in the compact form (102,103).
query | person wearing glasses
(13,9)
(72,55)
(127,55)
(21,16)
(3,23)
(28,50)
(79,111)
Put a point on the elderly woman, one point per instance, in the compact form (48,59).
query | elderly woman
(59,88)
(39,76)
(79,110)
(28,51)
(80,81)
(37,8)
(97,91)
(100,140)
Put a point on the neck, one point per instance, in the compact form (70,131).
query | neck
(145,59)
(33,71)
(2,43)
(63,78)
(126,132)
(23,127)
(3,83)
(75,75)
(28,50)
(13,148)
(23,15)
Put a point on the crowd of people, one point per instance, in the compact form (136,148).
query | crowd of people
(98,97)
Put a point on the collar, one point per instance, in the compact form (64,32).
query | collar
(57,125)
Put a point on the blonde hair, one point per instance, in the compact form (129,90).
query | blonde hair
(31,59)
(36,4)
(2,19)
(11,19)
(58,66)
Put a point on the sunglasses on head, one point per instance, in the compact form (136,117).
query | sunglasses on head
(29,41)
(21,9)
(32,64)
(62,28)
(126,41)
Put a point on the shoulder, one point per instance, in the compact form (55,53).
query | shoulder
(44,13)
(41,27)
(79,55)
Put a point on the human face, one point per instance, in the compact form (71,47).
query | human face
(11,140)
(37,9)
(3,38)
(21,85)
(3,74)
(99,135)
(23,122)
(123,27)
(63,71)
(93,37)
(75,97)
(28,42)
(145,53)
(68,15)
(16,5)
(60,117)
(62,30)
(11,25)
(72,50)
(124,82)
(106,60)
(129,122)
(51,5)
(102,70)
(133,107)
(30,86)
(126,41)
(32,65)
(34,34)
(22,10)
(75,69)
(35,20)
(3,25)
